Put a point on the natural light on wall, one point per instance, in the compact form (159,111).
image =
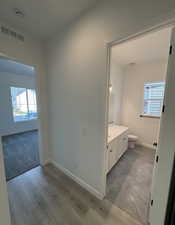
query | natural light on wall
(24,104)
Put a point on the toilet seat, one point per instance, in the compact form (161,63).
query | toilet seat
(132,137)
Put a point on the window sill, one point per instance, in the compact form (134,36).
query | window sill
(150,116)
(24,121)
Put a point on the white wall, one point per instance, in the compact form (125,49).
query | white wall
(29,52)
(136,76)
(77,83)
(7,125)
(116,95)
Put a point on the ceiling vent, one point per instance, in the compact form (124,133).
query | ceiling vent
(12,33)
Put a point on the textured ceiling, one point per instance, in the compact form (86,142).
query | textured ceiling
(43,17)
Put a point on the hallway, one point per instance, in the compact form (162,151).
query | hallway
(46,196)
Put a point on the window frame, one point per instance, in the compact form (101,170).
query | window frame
(27,102)
(143,101)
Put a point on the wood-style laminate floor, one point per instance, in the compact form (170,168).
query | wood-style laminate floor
(45,196)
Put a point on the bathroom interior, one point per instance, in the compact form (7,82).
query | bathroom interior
(136,90)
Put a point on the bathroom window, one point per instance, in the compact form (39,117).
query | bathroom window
(153,99)
(23,103)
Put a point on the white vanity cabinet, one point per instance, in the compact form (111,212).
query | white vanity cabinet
(112,156)
(117,144)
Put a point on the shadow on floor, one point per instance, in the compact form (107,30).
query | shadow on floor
(21,153)
(129,182)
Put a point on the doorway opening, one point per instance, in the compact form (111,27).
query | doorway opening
(19,117)
(137,81)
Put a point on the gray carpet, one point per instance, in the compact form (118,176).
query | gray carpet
(129,182)
(21,153)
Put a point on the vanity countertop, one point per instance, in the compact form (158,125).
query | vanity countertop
(115,131)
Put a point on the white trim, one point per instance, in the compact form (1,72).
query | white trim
(79,181)
(42,150)
(149,29)
(105,156)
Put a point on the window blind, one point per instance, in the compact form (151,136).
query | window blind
(153,98)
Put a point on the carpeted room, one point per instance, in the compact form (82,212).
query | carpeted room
(19,127)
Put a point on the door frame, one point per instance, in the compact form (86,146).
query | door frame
(109,46)
(42,161)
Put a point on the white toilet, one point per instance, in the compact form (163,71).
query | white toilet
(132,139)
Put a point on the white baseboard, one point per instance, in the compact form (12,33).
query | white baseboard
(147,145)
(78,180)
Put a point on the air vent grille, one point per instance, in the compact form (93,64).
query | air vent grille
(12,33)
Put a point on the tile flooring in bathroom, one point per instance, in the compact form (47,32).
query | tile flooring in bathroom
(129,182)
